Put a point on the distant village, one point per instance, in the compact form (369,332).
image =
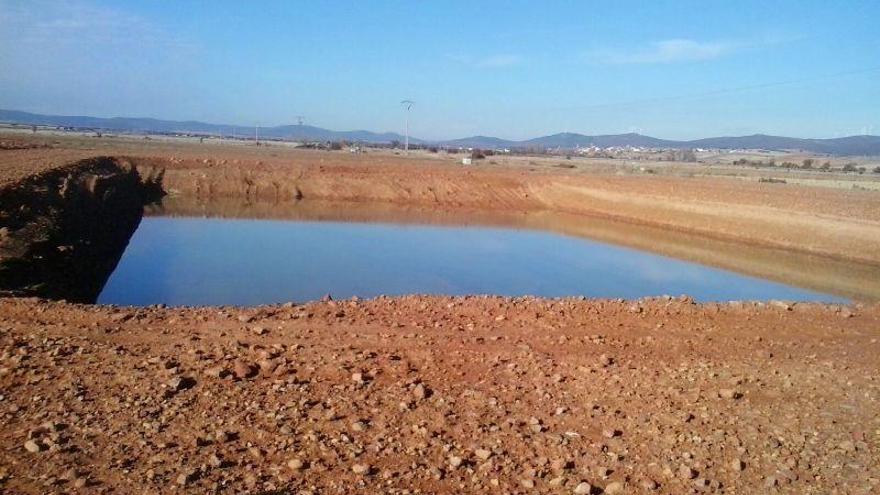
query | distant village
(471,155)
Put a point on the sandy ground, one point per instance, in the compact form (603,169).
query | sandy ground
(454,395)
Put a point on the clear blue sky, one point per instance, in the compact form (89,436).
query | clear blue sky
(511,69)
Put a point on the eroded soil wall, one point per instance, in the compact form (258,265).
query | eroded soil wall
(63,231)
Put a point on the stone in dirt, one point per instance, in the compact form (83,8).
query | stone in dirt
(420,392)
(34,446)
(614,488)
(187,477)
(611,433)
(180,383)
(583,488)
(729,393)
(483,454)
(242,370)
(685,472)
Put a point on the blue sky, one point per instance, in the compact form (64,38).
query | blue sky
(508,68)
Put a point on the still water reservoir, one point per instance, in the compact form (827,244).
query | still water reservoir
(216,261)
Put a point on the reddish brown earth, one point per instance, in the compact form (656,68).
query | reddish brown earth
(452,395)
(440,395)
(835,223)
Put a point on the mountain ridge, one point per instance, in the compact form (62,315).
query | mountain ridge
(850,145)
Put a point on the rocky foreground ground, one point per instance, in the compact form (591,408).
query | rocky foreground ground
(440,395)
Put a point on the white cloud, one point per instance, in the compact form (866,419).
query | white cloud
(48,25)
(665,52)
(76,56)
(680,50)
(488,62)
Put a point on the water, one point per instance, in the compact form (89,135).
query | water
(209,261)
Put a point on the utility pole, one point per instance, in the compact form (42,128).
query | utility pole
(407,104)
(299,121)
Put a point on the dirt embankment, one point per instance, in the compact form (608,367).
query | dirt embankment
(63,230)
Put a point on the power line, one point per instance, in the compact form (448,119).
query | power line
(717,92)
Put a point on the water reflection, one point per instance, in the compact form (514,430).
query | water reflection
(843,278)
(323,248)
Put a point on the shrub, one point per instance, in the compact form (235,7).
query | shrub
(684,156)
(849,167)
(807,164)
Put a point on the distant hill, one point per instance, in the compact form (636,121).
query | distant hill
(571,140)
(852,145)
(140,125)
(846,146)
(481,142)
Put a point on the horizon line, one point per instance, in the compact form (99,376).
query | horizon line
(426,140)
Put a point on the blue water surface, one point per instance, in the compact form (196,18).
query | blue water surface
(208,261)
